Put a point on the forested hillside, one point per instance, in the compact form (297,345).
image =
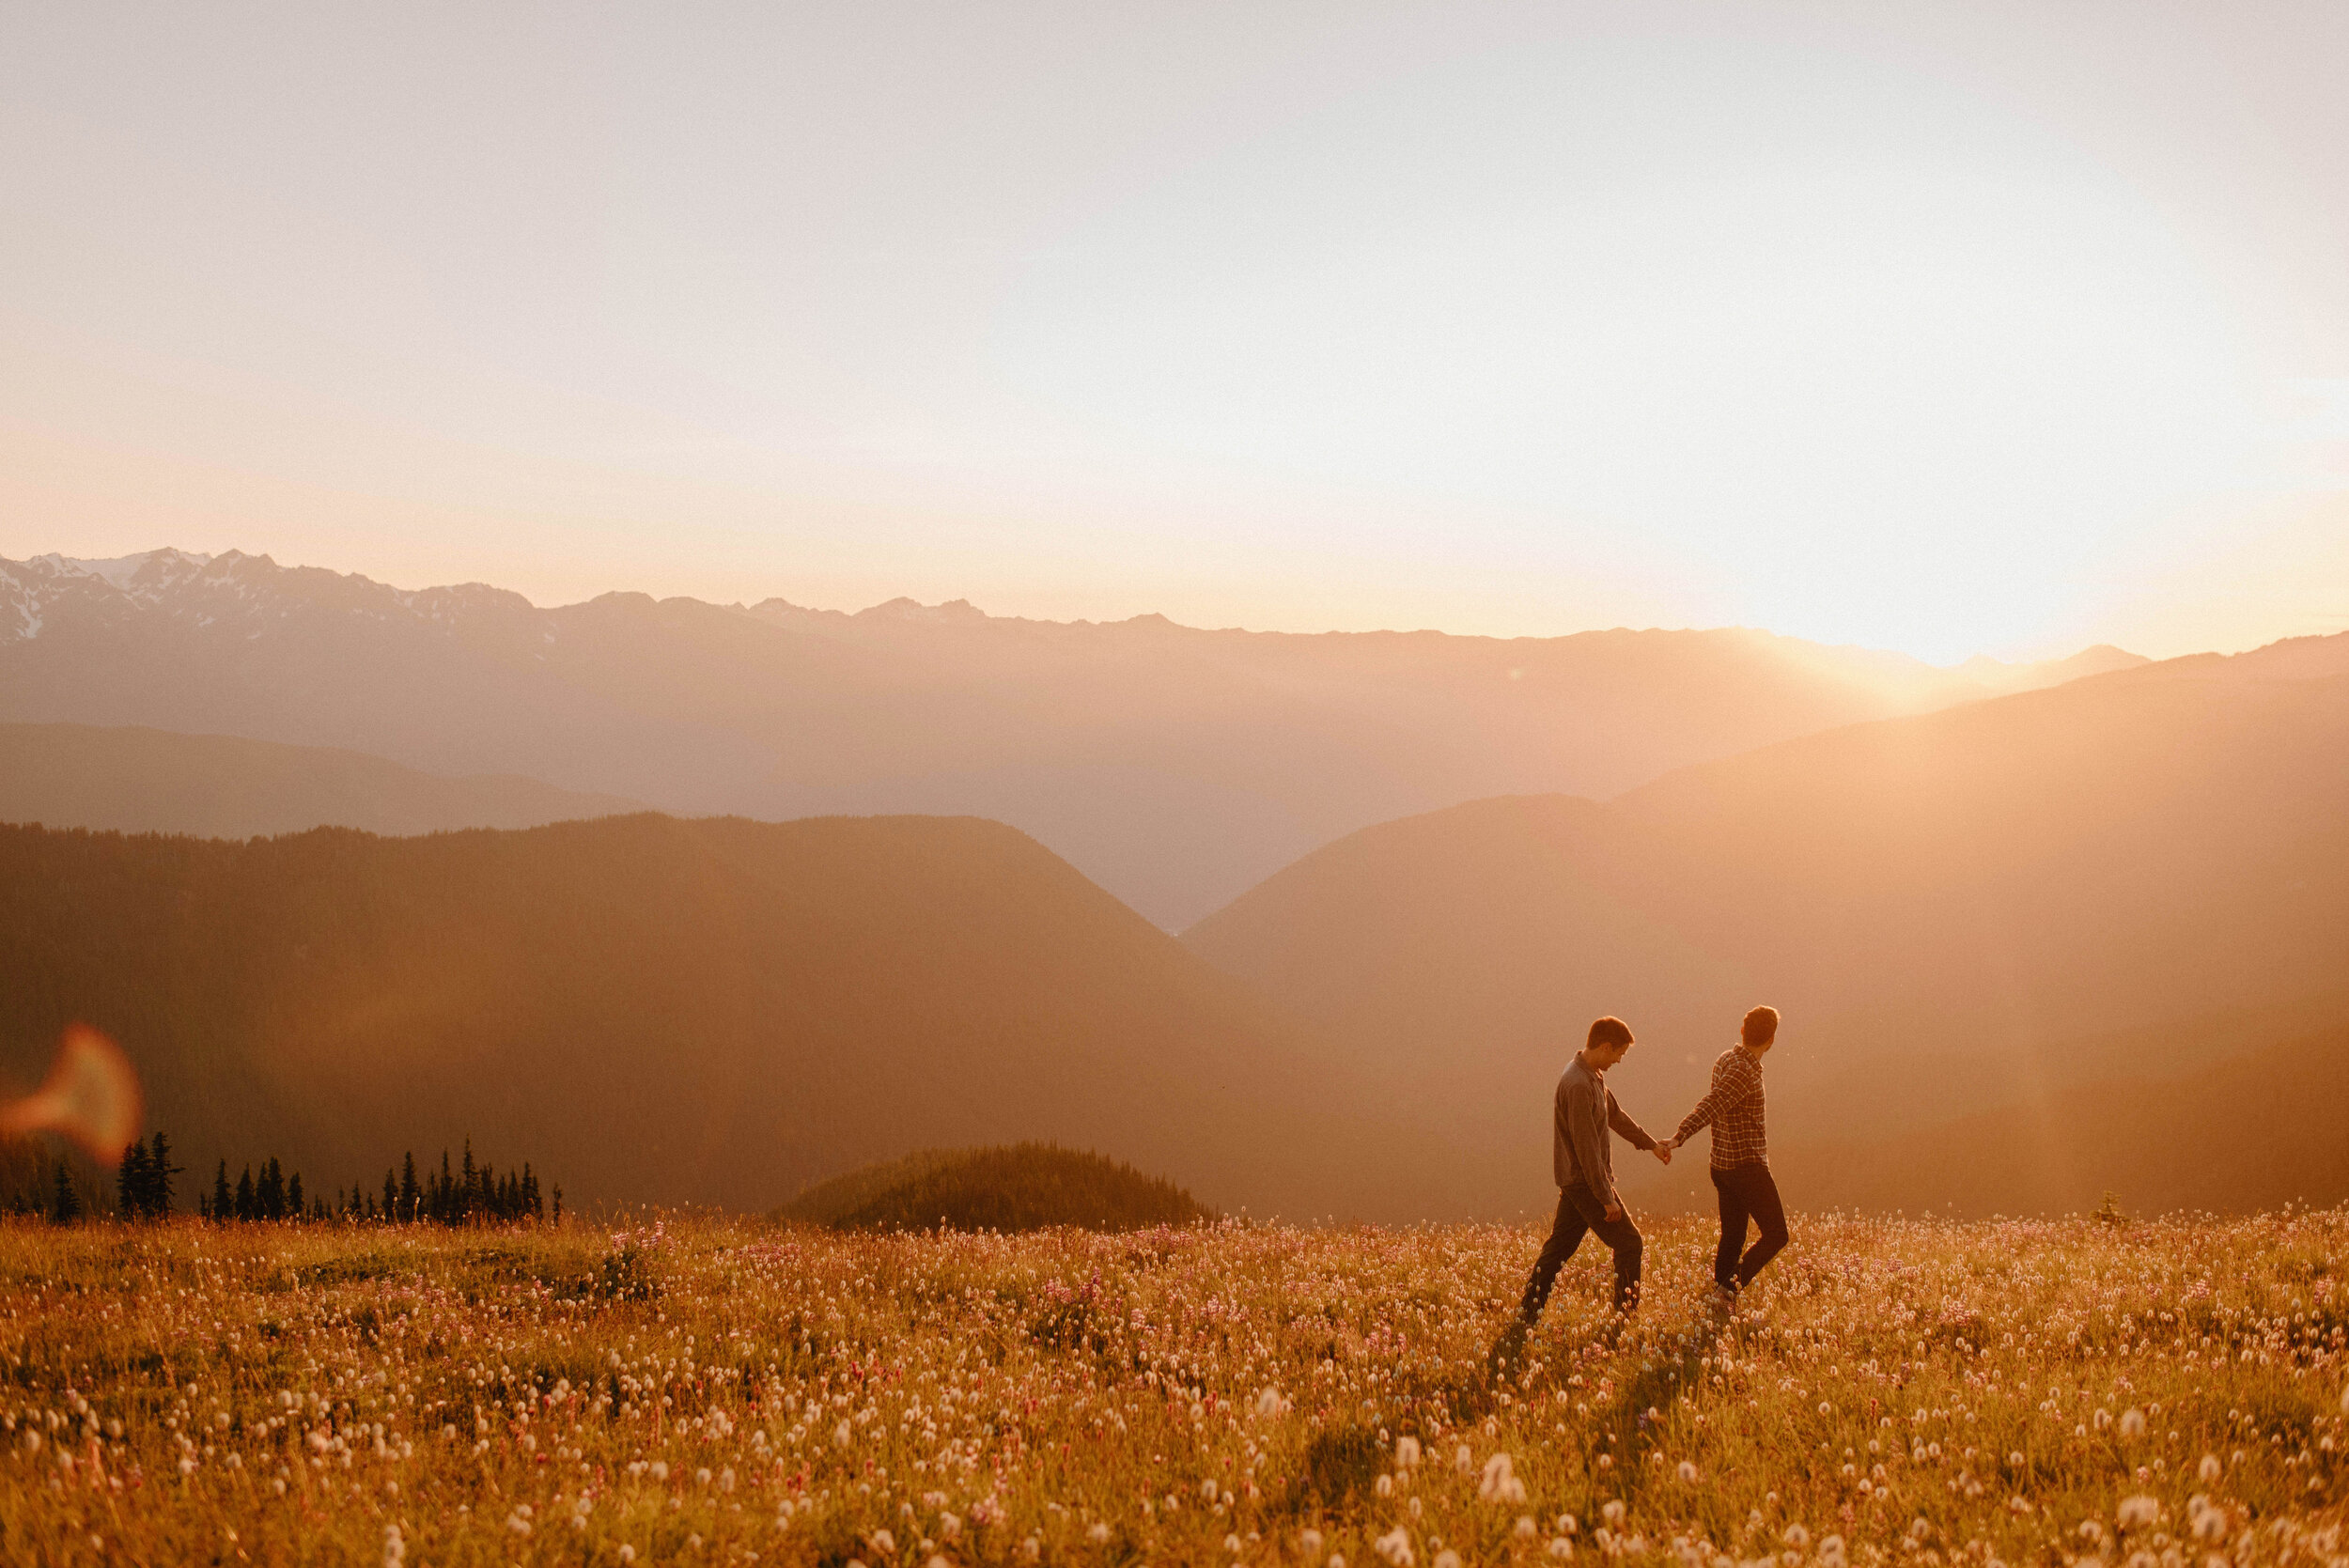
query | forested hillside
(662,1011)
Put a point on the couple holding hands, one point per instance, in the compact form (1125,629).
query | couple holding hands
(1582,1155)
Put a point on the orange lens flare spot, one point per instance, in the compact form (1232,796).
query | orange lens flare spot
(91,1095)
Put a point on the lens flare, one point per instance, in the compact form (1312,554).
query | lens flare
(91,1095)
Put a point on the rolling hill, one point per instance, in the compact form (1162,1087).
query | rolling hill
(1175,767)
(1028,1186)
(1956,911)
(138,779)
(654,1010)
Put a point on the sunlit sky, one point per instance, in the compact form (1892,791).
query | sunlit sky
(1947,328)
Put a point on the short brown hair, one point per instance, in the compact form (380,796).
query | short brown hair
(1760,1024)
(1608,1031)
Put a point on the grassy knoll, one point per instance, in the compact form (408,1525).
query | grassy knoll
(1899,1392)
(1023,1187)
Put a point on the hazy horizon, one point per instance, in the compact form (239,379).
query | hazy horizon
(1953,331)
(740,601)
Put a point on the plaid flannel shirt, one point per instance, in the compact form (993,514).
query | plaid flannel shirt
(1734,1107)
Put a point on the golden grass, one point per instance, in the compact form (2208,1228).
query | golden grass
(1902,1392)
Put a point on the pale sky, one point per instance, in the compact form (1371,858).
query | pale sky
(1946,328)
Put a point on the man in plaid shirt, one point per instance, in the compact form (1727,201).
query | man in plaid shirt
(1741,1157)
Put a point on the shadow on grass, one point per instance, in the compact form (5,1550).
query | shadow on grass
(1336,1468)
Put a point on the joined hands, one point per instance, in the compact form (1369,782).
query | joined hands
(1664,1151)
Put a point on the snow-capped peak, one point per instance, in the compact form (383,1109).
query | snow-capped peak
(121,571)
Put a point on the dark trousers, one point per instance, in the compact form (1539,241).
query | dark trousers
(1747,1192)
(1578,1213)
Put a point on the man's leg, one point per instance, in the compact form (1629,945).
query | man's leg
(1761,1199)
(1733,1213)
(1624,1240)
(1566,1234)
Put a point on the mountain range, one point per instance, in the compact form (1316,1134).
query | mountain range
(1175,767)
(140,779)
(2015,910)
(2031,944)
(659,1010)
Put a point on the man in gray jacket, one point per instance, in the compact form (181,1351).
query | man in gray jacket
(1583,1158)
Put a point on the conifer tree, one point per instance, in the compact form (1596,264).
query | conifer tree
(65,1204)
(245,1208)
(222,1213)
(411,1195)
(270,1191)
(295,1208)
(159,1187)
(131,1182)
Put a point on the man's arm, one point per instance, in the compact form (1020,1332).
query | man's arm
(1589,1129)
(1633,1134)
(1729,1089)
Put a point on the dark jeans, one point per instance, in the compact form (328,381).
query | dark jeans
(1579,1211)
(1747,1192)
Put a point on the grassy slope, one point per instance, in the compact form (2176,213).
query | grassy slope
(1902,1388)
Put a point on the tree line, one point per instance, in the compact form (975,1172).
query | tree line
(145,1188)
(474,1193)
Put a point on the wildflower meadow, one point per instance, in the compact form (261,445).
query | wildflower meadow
(2152,1394)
